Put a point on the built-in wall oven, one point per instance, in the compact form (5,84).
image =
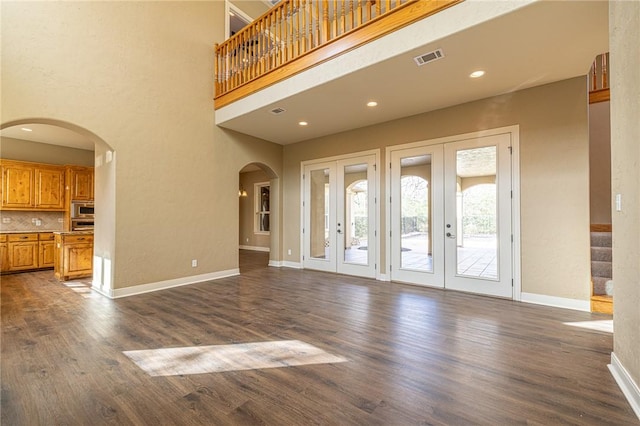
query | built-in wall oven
(82,214)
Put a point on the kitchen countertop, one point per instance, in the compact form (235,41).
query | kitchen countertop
(39,231)
(89,232)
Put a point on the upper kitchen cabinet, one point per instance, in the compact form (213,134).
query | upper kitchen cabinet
(32,186)
(80,183)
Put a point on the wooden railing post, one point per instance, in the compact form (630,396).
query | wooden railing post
(325,21)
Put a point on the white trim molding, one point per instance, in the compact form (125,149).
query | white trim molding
(628,387)
(254,248)
(557,302)
(293,265)
(162,285)
(275,263)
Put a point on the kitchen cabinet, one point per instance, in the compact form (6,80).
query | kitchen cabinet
(23,251)
(46,250)
(73,255)
(27,251)
(80,183)
(4,253)
(32,186)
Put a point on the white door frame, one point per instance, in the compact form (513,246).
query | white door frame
(377,209)
(514,131)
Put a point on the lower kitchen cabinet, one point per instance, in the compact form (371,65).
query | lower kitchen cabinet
(46,250)
(26,251)
(23,251)
(73,255)
(4,253)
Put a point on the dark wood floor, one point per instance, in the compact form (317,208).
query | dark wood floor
(415,356)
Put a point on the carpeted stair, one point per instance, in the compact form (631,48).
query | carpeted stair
(601,271)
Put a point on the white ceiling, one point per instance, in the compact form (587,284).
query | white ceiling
(539,43)
(46,133)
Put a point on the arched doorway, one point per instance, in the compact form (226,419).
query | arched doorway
(258,217)
(60,143)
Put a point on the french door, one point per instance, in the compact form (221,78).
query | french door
(451,215)
(339,216)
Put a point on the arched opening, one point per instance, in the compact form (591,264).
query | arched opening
(57,142)
(258,213)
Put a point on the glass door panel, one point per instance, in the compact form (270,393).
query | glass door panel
(356,216)
(477,214)
(353,230)
(416,215)
(319,217)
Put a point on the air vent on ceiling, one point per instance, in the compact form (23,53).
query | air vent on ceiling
(277,111)
(429,57)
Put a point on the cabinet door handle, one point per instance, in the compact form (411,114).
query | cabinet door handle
(81,239)
(24,238)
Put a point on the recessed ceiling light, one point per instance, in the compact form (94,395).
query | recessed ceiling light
(26,129)
(302,123)
(372,104)
(476,74)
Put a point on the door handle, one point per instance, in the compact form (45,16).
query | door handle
(450,235)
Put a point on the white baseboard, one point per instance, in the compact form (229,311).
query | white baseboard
(255,248)
(383,277)
(275,263)
(625,382)
(162,285)
(558,302)
(294,265)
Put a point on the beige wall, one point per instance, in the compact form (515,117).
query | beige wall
(624,30)
(554,167)
(600,162)
(18,149)
(247,236)
(139,76)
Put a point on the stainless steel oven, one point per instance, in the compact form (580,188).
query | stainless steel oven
(82,210)
(81,224)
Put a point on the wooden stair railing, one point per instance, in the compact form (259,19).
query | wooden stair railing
(295,35)
(599,79)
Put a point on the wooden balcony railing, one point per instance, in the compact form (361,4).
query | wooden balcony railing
(296,35)
(599,79)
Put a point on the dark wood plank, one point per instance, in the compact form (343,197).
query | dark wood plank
(415,355)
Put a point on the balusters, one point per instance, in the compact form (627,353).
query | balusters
(294,27)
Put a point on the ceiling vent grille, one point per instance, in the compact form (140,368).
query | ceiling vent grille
(277,111)
(429,57)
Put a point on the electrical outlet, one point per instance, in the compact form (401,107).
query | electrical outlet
(6,220)
(247,240)
(289,252)
(194,263)
(38,222)
(60,220)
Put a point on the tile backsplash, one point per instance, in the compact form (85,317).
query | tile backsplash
(24,221)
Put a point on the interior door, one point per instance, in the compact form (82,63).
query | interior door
(478,219)
(339,210)
(417,252)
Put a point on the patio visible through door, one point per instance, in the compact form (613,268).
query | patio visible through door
(339,209)
(451,215)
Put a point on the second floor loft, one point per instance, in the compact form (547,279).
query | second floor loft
(411,56)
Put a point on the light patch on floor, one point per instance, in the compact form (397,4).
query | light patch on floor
(603,325)
(219,358)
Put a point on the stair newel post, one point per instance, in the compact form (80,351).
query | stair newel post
(605,81)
